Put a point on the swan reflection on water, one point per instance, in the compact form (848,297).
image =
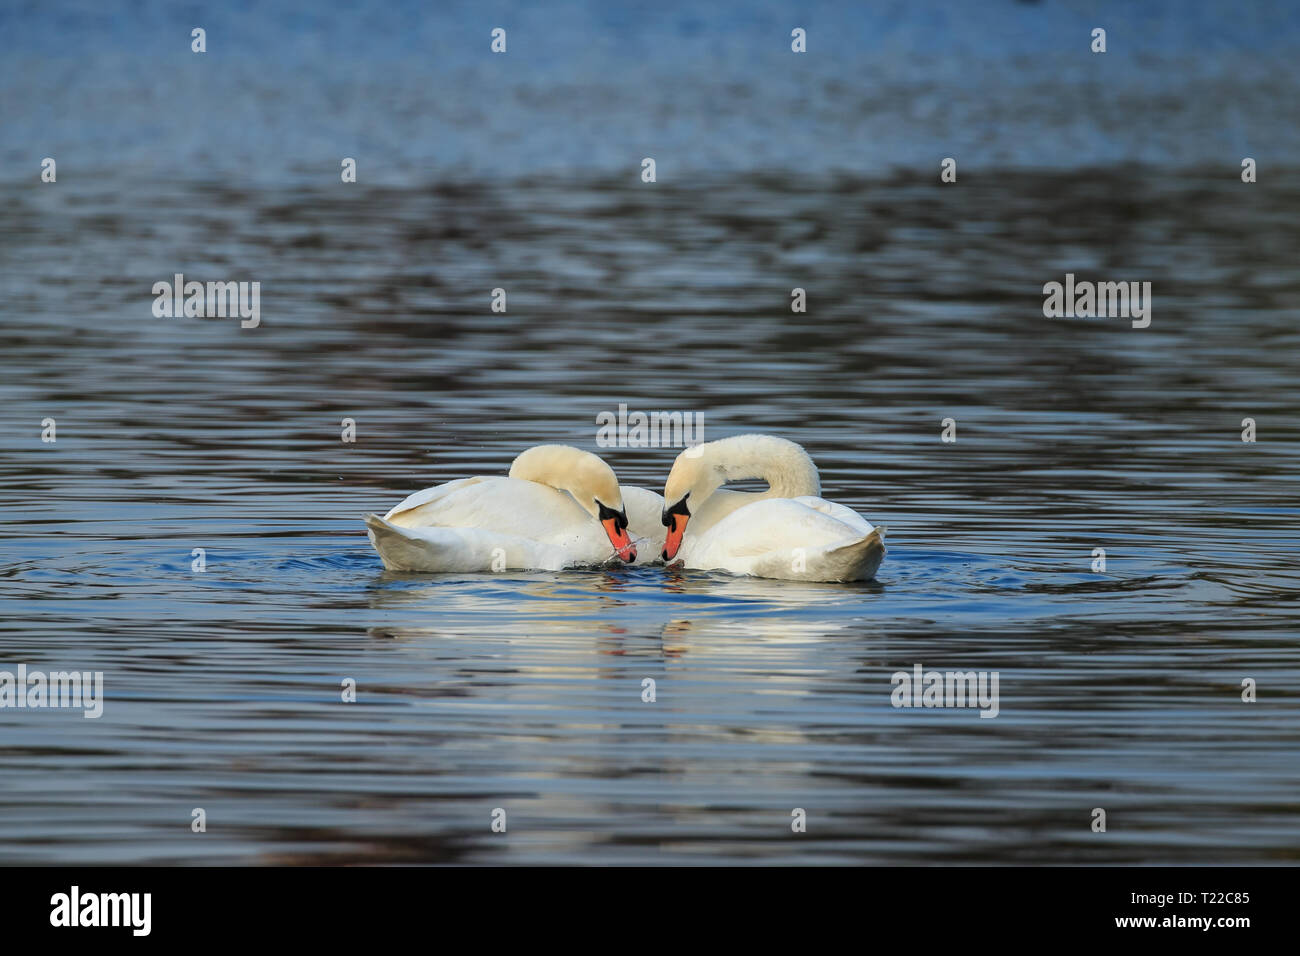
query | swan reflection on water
(674,605)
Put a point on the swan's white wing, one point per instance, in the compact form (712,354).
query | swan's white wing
(837,511)
(504,505)
(804,538)
(776,523)
(430,494)
(435,549)
(536,525)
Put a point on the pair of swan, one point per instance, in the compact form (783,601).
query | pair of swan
(540,517)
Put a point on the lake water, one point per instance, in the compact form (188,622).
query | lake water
(1119,689)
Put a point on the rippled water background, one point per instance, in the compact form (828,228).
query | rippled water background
(523,691)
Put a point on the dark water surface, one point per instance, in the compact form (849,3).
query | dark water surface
(1119,689)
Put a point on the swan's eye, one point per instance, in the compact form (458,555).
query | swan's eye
(677,509)
(607,513)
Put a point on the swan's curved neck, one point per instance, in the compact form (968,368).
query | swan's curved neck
(545,464)
(583,475)
(786,467)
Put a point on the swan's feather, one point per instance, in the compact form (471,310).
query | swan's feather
(498,524)
(801,539)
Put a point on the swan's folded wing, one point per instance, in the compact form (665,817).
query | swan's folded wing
(429,495)
(435,550)
(859,524)
(806,539)
(509,506)
(777,524)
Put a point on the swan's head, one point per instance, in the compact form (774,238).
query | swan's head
(693,478)
(590,481)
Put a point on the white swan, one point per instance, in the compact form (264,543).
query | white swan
(539,518)
(785,532)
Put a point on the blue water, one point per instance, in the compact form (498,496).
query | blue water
(413,92)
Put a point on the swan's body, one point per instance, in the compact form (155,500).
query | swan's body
(788,531)
(538,518)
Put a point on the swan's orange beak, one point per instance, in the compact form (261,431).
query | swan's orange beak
(676,529)
(620,539)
